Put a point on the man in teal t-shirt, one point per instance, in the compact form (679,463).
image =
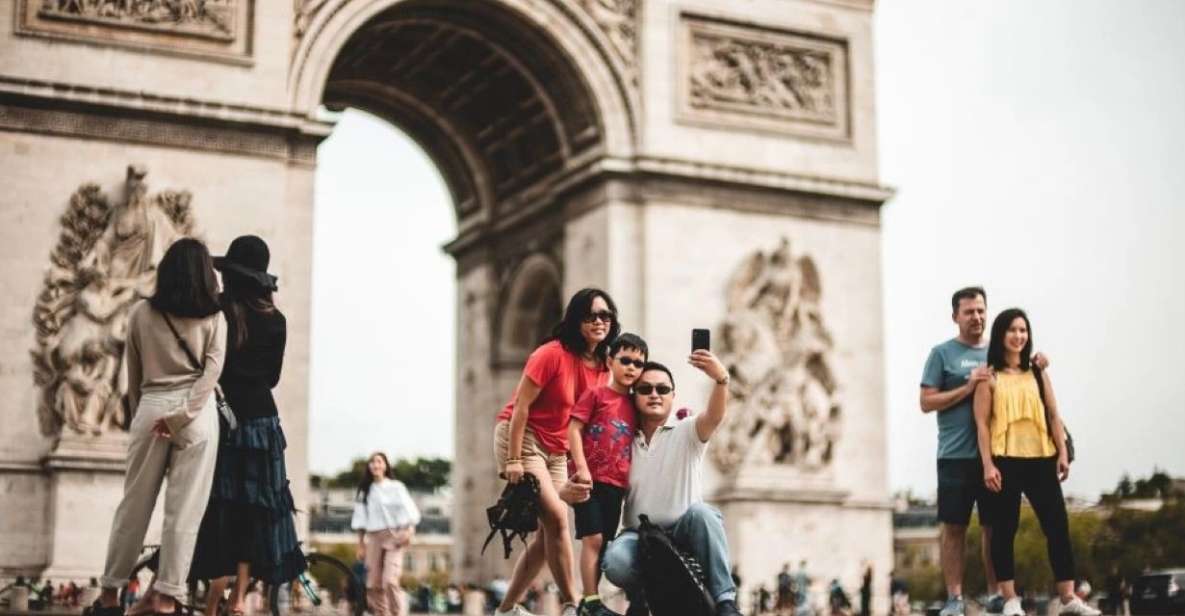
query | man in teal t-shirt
(952,371)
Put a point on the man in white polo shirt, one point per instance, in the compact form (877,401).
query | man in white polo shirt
(666,484)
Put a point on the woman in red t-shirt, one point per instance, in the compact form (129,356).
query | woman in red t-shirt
(531,436)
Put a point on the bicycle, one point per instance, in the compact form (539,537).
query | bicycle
(320,589)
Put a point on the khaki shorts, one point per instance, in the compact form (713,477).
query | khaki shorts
(536,459)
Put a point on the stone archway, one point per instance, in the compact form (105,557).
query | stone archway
(758,129)
(516,102)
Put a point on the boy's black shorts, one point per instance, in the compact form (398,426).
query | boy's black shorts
(601,513)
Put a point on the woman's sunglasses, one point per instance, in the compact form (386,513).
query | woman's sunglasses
(645,389)
(605,317)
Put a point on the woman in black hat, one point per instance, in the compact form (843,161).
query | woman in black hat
(248,529)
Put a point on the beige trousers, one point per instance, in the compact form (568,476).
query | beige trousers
(384,565)
(187,459)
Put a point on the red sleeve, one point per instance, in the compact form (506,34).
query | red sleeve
(584,407)
(544,364)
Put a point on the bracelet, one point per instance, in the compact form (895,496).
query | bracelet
(514,460)
(724,380)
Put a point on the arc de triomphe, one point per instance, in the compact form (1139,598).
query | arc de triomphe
(711,163)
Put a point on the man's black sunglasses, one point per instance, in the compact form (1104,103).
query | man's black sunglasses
(645,389)
(606,317)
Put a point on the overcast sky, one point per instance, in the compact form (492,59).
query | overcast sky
(1037,149)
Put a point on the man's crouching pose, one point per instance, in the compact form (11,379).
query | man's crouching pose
(666,485)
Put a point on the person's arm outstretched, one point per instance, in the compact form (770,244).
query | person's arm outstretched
(707,422)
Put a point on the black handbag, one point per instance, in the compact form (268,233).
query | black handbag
(1048,425)
(516,514)
(225,413)
(673,580)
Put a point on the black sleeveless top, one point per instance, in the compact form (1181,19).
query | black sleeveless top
(252,370)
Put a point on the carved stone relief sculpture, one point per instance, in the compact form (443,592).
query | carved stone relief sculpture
(786,405)
(306,11)
(105,260)
(618,19)
(764,79)
(213,18)
(210,29)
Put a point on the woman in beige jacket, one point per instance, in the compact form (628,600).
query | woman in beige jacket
(175,347)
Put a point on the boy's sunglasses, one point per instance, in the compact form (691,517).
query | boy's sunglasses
(606,317)
(627,362)
(645,389)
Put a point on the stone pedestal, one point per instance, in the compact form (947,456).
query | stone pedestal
(86,482)
(804,518)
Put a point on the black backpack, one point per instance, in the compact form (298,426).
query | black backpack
(672,579)
(516,514)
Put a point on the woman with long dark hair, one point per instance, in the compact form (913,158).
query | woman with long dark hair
(248,529)
(176,343)
(531,436)
(385,517)
(1022,442)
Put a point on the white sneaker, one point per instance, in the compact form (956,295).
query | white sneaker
(1012,607)
(1077,606)
(517,610)
(569,610)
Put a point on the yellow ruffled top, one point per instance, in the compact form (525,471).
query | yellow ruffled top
(1018,418)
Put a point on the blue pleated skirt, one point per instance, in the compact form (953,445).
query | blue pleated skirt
(250,514)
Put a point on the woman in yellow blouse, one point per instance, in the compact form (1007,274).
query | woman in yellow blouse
(1022,443)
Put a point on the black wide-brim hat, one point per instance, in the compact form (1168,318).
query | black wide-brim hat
(248,257)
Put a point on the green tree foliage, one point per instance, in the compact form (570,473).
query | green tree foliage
(925,583)
(1133,541)
(419,474)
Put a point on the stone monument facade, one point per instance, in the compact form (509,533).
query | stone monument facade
(712,164)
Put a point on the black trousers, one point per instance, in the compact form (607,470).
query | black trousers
(1036,478)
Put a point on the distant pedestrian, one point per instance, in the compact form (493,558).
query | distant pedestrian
(1022,444)
(763,599)
(385,517)
(248,529)
(866,591)
(785,586)
(802,587)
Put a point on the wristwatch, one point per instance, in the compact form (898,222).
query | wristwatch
(723,380)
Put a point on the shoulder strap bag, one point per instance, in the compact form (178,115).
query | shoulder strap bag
(224,411)
(1048,424)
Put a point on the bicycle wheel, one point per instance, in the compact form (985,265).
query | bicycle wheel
(326,587)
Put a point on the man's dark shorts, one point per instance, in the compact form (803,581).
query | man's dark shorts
(960,487)
(601,513)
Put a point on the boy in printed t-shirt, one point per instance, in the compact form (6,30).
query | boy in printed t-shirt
(600,436)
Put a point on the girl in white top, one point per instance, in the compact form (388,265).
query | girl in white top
(385,517)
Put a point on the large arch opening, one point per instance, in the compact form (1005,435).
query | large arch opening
(513,122)
(488,96)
